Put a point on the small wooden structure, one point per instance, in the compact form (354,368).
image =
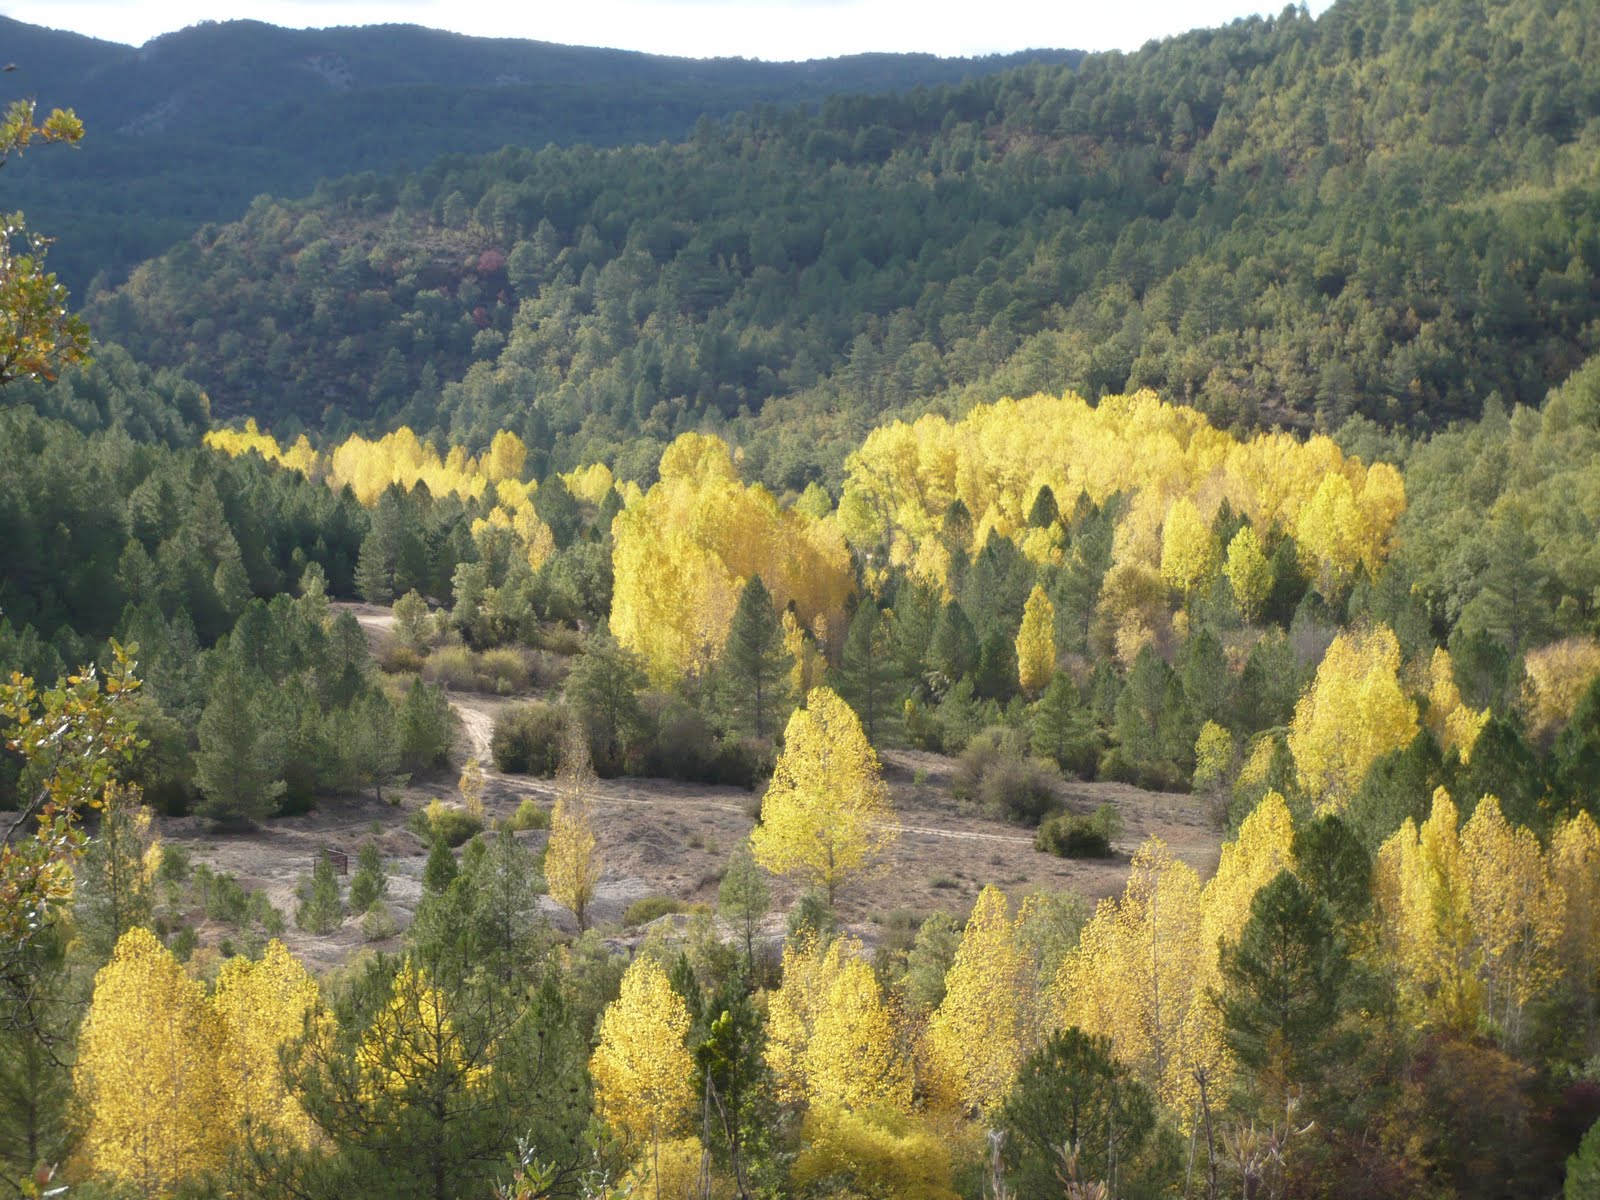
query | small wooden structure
(339,859)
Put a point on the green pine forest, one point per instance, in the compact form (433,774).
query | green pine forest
(1216,424)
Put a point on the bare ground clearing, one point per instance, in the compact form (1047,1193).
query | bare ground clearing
(672,839)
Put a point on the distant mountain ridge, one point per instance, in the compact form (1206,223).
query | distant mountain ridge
(191,126)
(1391,211)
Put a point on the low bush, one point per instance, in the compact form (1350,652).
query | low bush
(501,672)
(529,815)
(1068,836)
(527,739)
(397,659)
(650,908)
(1151,776)
(996,773)
(445,823)
(682,745)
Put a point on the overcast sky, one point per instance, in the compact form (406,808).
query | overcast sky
(769,29)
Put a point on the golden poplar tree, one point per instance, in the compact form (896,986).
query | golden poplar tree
(1036,643)
(831,1038)
(1425,905)
(683,553)
(826,815)
(1188,548)
(1138,977)
(471,788)
(263,1006)
(1557,677)
(1264,847)
(1331,534)
(156,1107)
(1354,712)
(642,1069)
(505,458)
(1453,724)
(1249,574)
(987,1023)
(1517,914)
(1575,871)
(572,860)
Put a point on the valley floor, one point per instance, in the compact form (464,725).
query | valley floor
(663,838)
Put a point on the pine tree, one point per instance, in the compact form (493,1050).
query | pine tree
(953,652)
(1044,511)
(424,727)
(826,816)
(744,898)
(375,569)
(41,1006)
(1283,988)
(755,666)
(320,910)
(440,871)
(238,768)
(1583,1168)
(369,885)
(1074,1092)
(411,620)
(869,676)
(1063,727)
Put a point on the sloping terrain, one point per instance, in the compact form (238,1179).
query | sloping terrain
(191,126)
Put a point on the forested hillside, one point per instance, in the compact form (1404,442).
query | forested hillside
(802,478)
(1389,211)
(191,127)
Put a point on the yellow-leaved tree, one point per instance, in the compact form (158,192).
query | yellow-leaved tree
(1575,872)
(831,1039)
(1138,977)
(572,859)
(642,1071)
(263,1006)
(988,1022)
(1425,908)
(1517,913)
(1249,574)
(1036,643)
(1188,548)
(683,553)
(826,816)
(1453,724)
(157,1109)
(1557,677)
(1355,712)
(1264,847)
